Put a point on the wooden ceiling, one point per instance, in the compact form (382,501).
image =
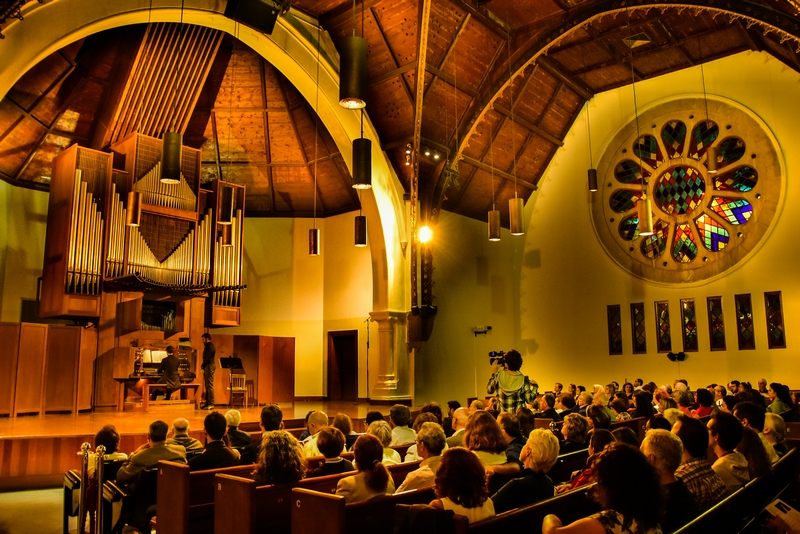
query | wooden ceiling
(491,135)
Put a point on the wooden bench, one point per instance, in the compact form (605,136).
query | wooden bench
(313,462)
(242,507)
(185,499)
(194,387)
(314,512)
(566,464)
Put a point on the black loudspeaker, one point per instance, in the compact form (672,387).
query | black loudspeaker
(258,14)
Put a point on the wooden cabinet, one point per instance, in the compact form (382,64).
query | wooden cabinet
(9,341)
(69,368)
(30,368)
(269,363)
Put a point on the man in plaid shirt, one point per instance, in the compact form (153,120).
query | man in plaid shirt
(511,387)
(695,472)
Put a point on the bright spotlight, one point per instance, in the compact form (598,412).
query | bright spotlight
(425,234)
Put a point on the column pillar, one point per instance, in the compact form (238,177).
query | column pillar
(394,368)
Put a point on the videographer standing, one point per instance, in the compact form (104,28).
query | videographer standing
(513,389)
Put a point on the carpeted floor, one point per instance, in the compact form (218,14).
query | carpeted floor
(33,512)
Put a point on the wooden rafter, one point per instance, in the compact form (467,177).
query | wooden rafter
(385,42)
(486,17)
(678,46)
(267,148)
(557,72)
(600,40)
(446,55)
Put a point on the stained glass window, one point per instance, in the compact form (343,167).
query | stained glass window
(684,249)
(713,236)
(716,323)
(629,228)
(637,325)
(654,245)
(663,336)
(703,136)
(741,179)
(673,134)
(614,329)
(622,200)
(649,150)
(628,172)
(744,322)
(679,190)
(730,150)
(689,320)
(776,336)
(734,210)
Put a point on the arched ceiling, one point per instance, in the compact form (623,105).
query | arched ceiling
(504,81)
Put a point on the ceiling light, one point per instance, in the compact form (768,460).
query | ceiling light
(425,234)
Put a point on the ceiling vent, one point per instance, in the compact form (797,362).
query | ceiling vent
(636,40)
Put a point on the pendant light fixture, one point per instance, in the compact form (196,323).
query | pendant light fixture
(516,205)
(711,153)
(360,227)
(313,233)
(494,214)
(226,192)
(134,212)
(172,141)
(353,69)
(643,205)
(362,160)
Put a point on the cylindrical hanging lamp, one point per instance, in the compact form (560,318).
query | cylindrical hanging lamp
(171,158)
(361,231)
(134,213)
(593,180)
(645,216)
(494,225)
(362,163)
(226,232)
(353,73)
(313,242)
(226,210)
(711,160)
(515,208)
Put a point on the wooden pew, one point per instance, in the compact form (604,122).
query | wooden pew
(567,464)
(313,462)
(185,500)
(729,515)
(242,507)
(314,512)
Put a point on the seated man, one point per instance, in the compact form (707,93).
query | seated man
(330,442)
(547,407)
(271,419)
(460,418)
(180,436)
(724,435)
(316,422)
(695,471)
(430,443)
(665,450)
(447,423)
(148,455)
(476,406)
(217,454)
(565,404)
(170,377)
(236,436)
(753,416)
(399,418)
(584,401)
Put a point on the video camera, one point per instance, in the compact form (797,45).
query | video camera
(498,356)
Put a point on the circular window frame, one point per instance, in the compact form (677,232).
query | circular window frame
(734,120)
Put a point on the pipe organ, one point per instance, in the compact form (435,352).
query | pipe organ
(188,241)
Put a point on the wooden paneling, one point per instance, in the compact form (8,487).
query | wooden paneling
(224,346)
(9,340)
(61,370)
(86,368)
(30,368)
(283,368)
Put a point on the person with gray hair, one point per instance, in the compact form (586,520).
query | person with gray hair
(382,431)
(430,444)
(180,436)
(316,422)
(238,438)
(665,451)
(532,485)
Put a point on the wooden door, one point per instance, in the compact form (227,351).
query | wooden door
(61,369)
(30,368)
(343,366)
(9,340)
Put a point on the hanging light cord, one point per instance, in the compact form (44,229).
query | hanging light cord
(513,140)
(702,74)
(491,153)
(455,95)
(316,124)
(588,126)
(354,18)
(177,73)
(230,111)
(636,109)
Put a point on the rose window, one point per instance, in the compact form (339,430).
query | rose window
(703,222)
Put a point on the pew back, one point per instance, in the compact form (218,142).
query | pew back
(567,464)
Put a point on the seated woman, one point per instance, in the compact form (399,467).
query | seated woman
(644,405)
(575,430)
(382,431)
(532,485)
(108,437)
(705,400)
(627,507)
(461,485)
(775,432)
(330,443)
(626,435)
(484,437)
(345,425)
(620,410)
(280,459)
(599,439)
(373,479)
(780,398)
(598,417)
(752,448)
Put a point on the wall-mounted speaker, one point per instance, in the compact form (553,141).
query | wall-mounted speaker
(257,14)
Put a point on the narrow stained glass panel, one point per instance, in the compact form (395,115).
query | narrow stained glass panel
(730,150)
(674,136)
(741,179)
(663,336)
(703,136)
(629,228)
(628,172)
(689,320)
(648,149)
(734,210)
(684,248)
(654,245)
(716,323)
(622,200)
(637,325)
(744,322)
(680,190)
(713,236)
(614,329)
(776,335)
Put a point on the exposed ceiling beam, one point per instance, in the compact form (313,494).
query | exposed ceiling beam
(678,46)
(262,67)
(385,42)
(488,168)
(450,48)
(344,13)
(561,75)
(486,17)
(393,73)
(600,40)
(530,126)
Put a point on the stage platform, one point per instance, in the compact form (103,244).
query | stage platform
(36,451)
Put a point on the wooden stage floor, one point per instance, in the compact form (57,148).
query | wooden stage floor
(36,451)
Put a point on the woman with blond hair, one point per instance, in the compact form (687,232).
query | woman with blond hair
(280,459)
(484,437)
(372,479)
(532,485)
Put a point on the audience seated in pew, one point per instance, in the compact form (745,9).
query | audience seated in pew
(217,452)
(626,435)
(461,486)
(628,489)
(148,454)
(108,437)
(598,417)
(575,430)
(447,422)
(237,437)
(280,460)
(411,452)
(382,431)
(179,435)
(345,425)
(599,439)
(484,437)
(430,444)
(538,455)
(775,432)
(400,418)
(316,422)
(372,478)
(724,436)
(547,407)
(460,419)
(643,401)
(330,443)
(695,472)
(752,415)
